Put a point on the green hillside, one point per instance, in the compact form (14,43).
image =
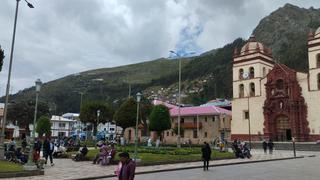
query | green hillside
(205,77)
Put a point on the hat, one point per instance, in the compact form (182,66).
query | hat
(124,154)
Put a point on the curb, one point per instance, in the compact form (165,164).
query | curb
(194,167)
(21,174)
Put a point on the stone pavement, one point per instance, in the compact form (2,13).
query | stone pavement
(68,169)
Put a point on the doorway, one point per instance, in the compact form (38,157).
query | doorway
(283,129)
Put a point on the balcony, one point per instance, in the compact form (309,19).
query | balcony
(189,125)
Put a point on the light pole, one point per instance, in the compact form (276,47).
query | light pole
(136,130)
(30,165)
(8,81)
(179,98)
(98,115)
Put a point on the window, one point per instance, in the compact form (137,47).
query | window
(171,133)
(263,71)
(167,133)
(240,73)
(205,134)
(213,118)
(246,114)
(318,60)
(195,120)
(279,84)
(105,129)
(111,129)
(241,91)
(195,134)
(206,119)
(252,89)
(62,125)
(181,120)
(251,71)
(318,80)
(182,134)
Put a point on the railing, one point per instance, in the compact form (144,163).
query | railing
(189,125)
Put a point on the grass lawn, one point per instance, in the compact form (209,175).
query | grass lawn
(6,166)
(166,156)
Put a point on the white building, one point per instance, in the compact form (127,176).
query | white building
(61,126)
(110,129)
(276,101)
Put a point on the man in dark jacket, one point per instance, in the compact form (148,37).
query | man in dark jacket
(128,167)
(48,148)
(206,155)
(264,146)
(270,146)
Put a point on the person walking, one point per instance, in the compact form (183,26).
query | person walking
(270,146)
(206,155)
(48,148)
(126,168)
(264,146)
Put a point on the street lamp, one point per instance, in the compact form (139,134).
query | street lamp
(136,130)
(179,98)
(98,115)
(8,81)
(30,165)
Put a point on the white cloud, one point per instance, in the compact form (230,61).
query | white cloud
(62,37)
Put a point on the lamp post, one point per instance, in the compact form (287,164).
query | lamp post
(136,130)
(98,115)
(179,98)
(8,81)
(30,165)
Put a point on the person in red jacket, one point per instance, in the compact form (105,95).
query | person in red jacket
(127,167)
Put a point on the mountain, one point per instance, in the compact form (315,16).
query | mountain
(205,77)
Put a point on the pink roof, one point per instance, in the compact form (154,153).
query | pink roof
(199,110)
(158,102)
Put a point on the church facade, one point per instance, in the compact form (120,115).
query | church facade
(271,100)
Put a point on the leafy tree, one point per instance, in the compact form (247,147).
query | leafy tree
(22,112)
(159,119)
(144,113)
(1,58)
(125,116)
(88,113)
(43,126)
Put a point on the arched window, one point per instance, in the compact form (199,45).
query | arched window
(264,72)
(252,89)
(279,84)
(318,60)
(241,73)
(251,71)
(318,80)
(241,91)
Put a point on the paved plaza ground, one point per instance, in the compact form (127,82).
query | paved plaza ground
(295,169)
(68,169)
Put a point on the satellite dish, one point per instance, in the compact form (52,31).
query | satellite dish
(245,75)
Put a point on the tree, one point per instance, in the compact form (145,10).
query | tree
(159,119)
(125,116)
(89,113)
(43,126)
(22,112)
(1,58)
(144,113)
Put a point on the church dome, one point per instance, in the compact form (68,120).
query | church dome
(253,46)
(317,33)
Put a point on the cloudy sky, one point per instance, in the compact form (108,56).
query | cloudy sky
(61,37)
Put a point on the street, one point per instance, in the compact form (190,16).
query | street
(298,169)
